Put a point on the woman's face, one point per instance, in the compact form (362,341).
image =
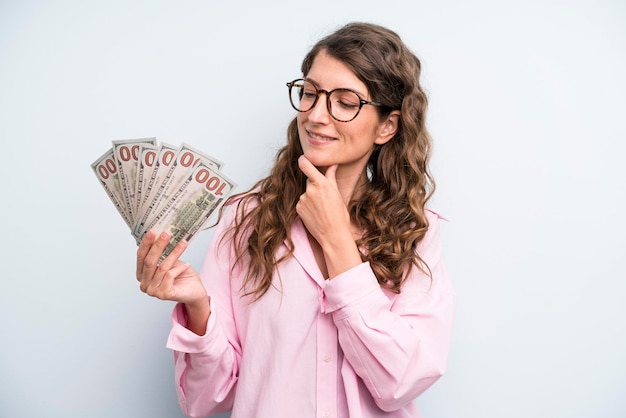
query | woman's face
(326,141)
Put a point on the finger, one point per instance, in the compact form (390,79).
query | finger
(142,251)
(164,288)
(164,266)
(331,173)
(173,256)
(153,258)
(309,169)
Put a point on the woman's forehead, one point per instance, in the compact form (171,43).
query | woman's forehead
(328,73)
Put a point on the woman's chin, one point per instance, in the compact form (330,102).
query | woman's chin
(320,163)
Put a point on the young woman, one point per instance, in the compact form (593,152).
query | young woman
(323,293)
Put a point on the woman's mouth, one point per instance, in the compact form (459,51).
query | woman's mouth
(319,137)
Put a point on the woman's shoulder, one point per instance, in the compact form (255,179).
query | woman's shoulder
(433,215)
(430,245)
(238,206)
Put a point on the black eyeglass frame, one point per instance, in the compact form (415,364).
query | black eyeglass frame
(319,91)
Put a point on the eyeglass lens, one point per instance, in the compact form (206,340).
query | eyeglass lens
(343,104)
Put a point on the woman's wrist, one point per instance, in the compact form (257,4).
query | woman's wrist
(341,255)
(197,315)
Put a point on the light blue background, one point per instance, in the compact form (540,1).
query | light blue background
(528,110)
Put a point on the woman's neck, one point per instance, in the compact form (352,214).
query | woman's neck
(350,187)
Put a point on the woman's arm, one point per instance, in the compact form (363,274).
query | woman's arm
(207,352)
(397,344)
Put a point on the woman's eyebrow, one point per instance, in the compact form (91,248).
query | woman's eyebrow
(310,80)
(317,85)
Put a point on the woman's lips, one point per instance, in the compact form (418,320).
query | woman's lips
(316,137)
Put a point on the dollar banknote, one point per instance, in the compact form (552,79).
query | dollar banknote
(107,172)
(164,159)
(189,205)
(173,167)
(127,153)
(147,160)
(162,187)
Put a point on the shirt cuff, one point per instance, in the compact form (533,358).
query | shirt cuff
(349,287)
(185,341)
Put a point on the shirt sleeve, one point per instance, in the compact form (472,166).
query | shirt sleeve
(206,367)
(397,344)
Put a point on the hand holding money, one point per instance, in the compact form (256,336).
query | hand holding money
(162,187)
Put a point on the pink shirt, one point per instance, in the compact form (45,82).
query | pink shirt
(312,347)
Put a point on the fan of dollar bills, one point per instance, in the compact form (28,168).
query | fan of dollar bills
(162,187)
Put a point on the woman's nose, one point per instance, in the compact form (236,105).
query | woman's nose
(319,112)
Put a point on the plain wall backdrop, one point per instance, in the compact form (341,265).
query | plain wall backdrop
(527,112)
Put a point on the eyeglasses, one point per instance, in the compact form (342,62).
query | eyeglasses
(343,104)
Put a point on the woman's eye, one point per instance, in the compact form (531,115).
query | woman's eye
(345,99)
(348,105)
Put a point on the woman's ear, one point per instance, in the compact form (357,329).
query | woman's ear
(388,128)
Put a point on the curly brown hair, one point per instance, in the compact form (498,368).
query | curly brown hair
(391,209)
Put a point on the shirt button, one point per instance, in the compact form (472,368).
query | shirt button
(326,414)
(327,358)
